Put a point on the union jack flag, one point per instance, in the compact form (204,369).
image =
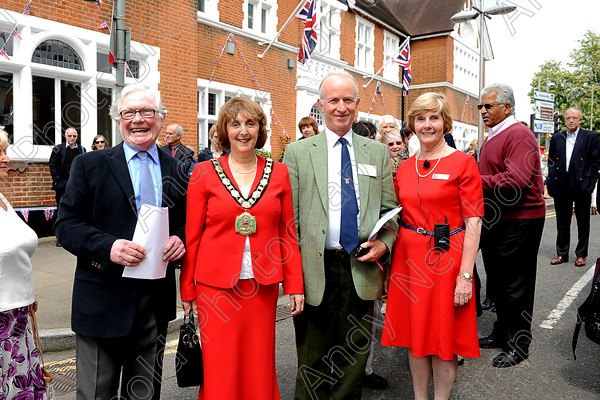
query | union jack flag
(303,13)
(48,213)
(103,25)
(4,53)
(16,33)
(25,213)
(309,37)
(403,60)
(27,10)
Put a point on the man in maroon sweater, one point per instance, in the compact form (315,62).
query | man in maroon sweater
(512,180)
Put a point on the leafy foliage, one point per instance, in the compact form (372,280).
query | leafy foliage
(574,84)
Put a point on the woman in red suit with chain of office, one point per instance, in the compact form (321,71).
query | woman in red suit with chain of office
(241,242)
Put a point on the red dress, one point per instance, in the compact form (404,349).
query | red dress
(420,311)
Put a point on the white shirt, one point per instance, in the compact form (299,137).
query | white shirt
(247,271)
(17,244)
(508,121)
(571,139)
(334,186)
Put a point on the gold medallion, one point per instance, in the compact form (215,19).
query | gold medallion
(245,224)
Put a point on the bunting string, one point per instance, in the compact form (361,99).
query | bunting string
(374,100)
(275,117)
(14,32)
(467,104)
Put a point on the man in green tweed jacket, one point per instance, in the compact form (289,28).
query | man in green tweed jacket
(333,333)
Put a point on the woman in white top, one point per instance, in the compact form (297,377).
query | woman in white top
(20,371)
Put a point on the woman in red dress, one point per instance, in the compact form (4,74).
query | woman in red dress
(430,308)
(241,242)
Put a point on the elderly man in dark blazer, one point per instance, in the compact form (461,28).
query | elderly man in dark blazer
(61,158)
(175,148)
(121,322)
(573,164)
(341,185)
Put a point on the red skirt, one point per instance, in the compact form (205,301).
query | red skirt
(237,328)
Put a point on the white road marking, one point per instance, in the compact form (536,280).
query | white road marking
(566,301)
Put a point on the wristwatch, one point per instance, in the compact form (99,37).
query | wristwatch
(466,276)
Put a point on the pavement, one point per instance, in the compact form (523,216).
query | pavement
(53,272)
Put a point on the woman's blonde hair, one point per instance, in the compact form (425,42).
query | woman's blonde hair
(434,102)
(3,138)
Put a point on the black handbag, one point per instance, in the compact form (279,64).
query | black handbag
(589,313)
(188,360)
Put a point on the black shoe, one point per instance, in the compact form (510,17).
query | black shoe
(490,342)
(375,381)
(510,358)
(487,304)
(493,309)
(58,244)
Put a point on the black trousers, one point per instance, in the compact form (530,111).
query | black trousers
(333,339)
(563,204)
(510,250)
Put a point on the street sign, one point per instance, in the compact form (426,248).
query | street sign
(544,109)
(543,96)
(543,126)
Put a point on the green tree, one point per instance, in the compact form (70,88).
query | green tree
(573,85)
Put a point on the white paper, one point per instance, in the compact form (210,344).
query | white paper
(385,218)
(367,169)
(152,232)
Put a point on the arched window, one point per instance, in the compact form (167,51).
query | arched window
(58,54)
(315,112)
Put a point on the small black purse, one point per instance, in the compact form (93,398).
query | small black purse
(188,360)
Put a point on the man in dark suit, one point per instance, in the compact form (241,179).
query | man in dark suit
(121,322)
(60,162)
(335,209)
(175,148)
(574,161)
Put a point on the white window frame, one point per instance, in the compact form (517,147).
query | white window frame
(223,90)
(330,21)
(211,11)
(364,54)
(391,43)
(270,21)
(85,43)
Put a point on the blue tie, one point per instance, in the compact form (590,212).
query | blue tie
(147,194)
(348,225)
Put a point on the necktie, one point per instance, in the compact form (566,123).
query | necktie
(173,151)
(147,194)
(348,225)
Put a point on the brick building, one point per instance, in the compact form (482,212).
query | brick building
(200,53)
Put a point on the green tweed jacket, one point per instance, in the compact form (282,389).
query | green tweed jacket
(307,164)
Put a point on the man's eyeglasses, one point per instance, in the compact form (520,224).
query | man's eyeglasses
(487,106)
(100,141)
(72,136)
(144,112)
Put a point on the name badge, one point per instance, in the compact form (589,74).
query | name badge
(367,169)
(441,177)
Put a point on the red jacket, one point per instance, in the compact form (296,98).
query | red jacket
(215,250)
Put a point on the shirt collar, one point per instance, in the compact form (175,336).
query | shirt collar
(573,135)
(130,152)
(74,146)
(508,121)
(333,138)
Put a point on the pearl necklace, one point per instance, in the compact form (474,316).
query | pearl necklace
(436,164)
(242,172)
